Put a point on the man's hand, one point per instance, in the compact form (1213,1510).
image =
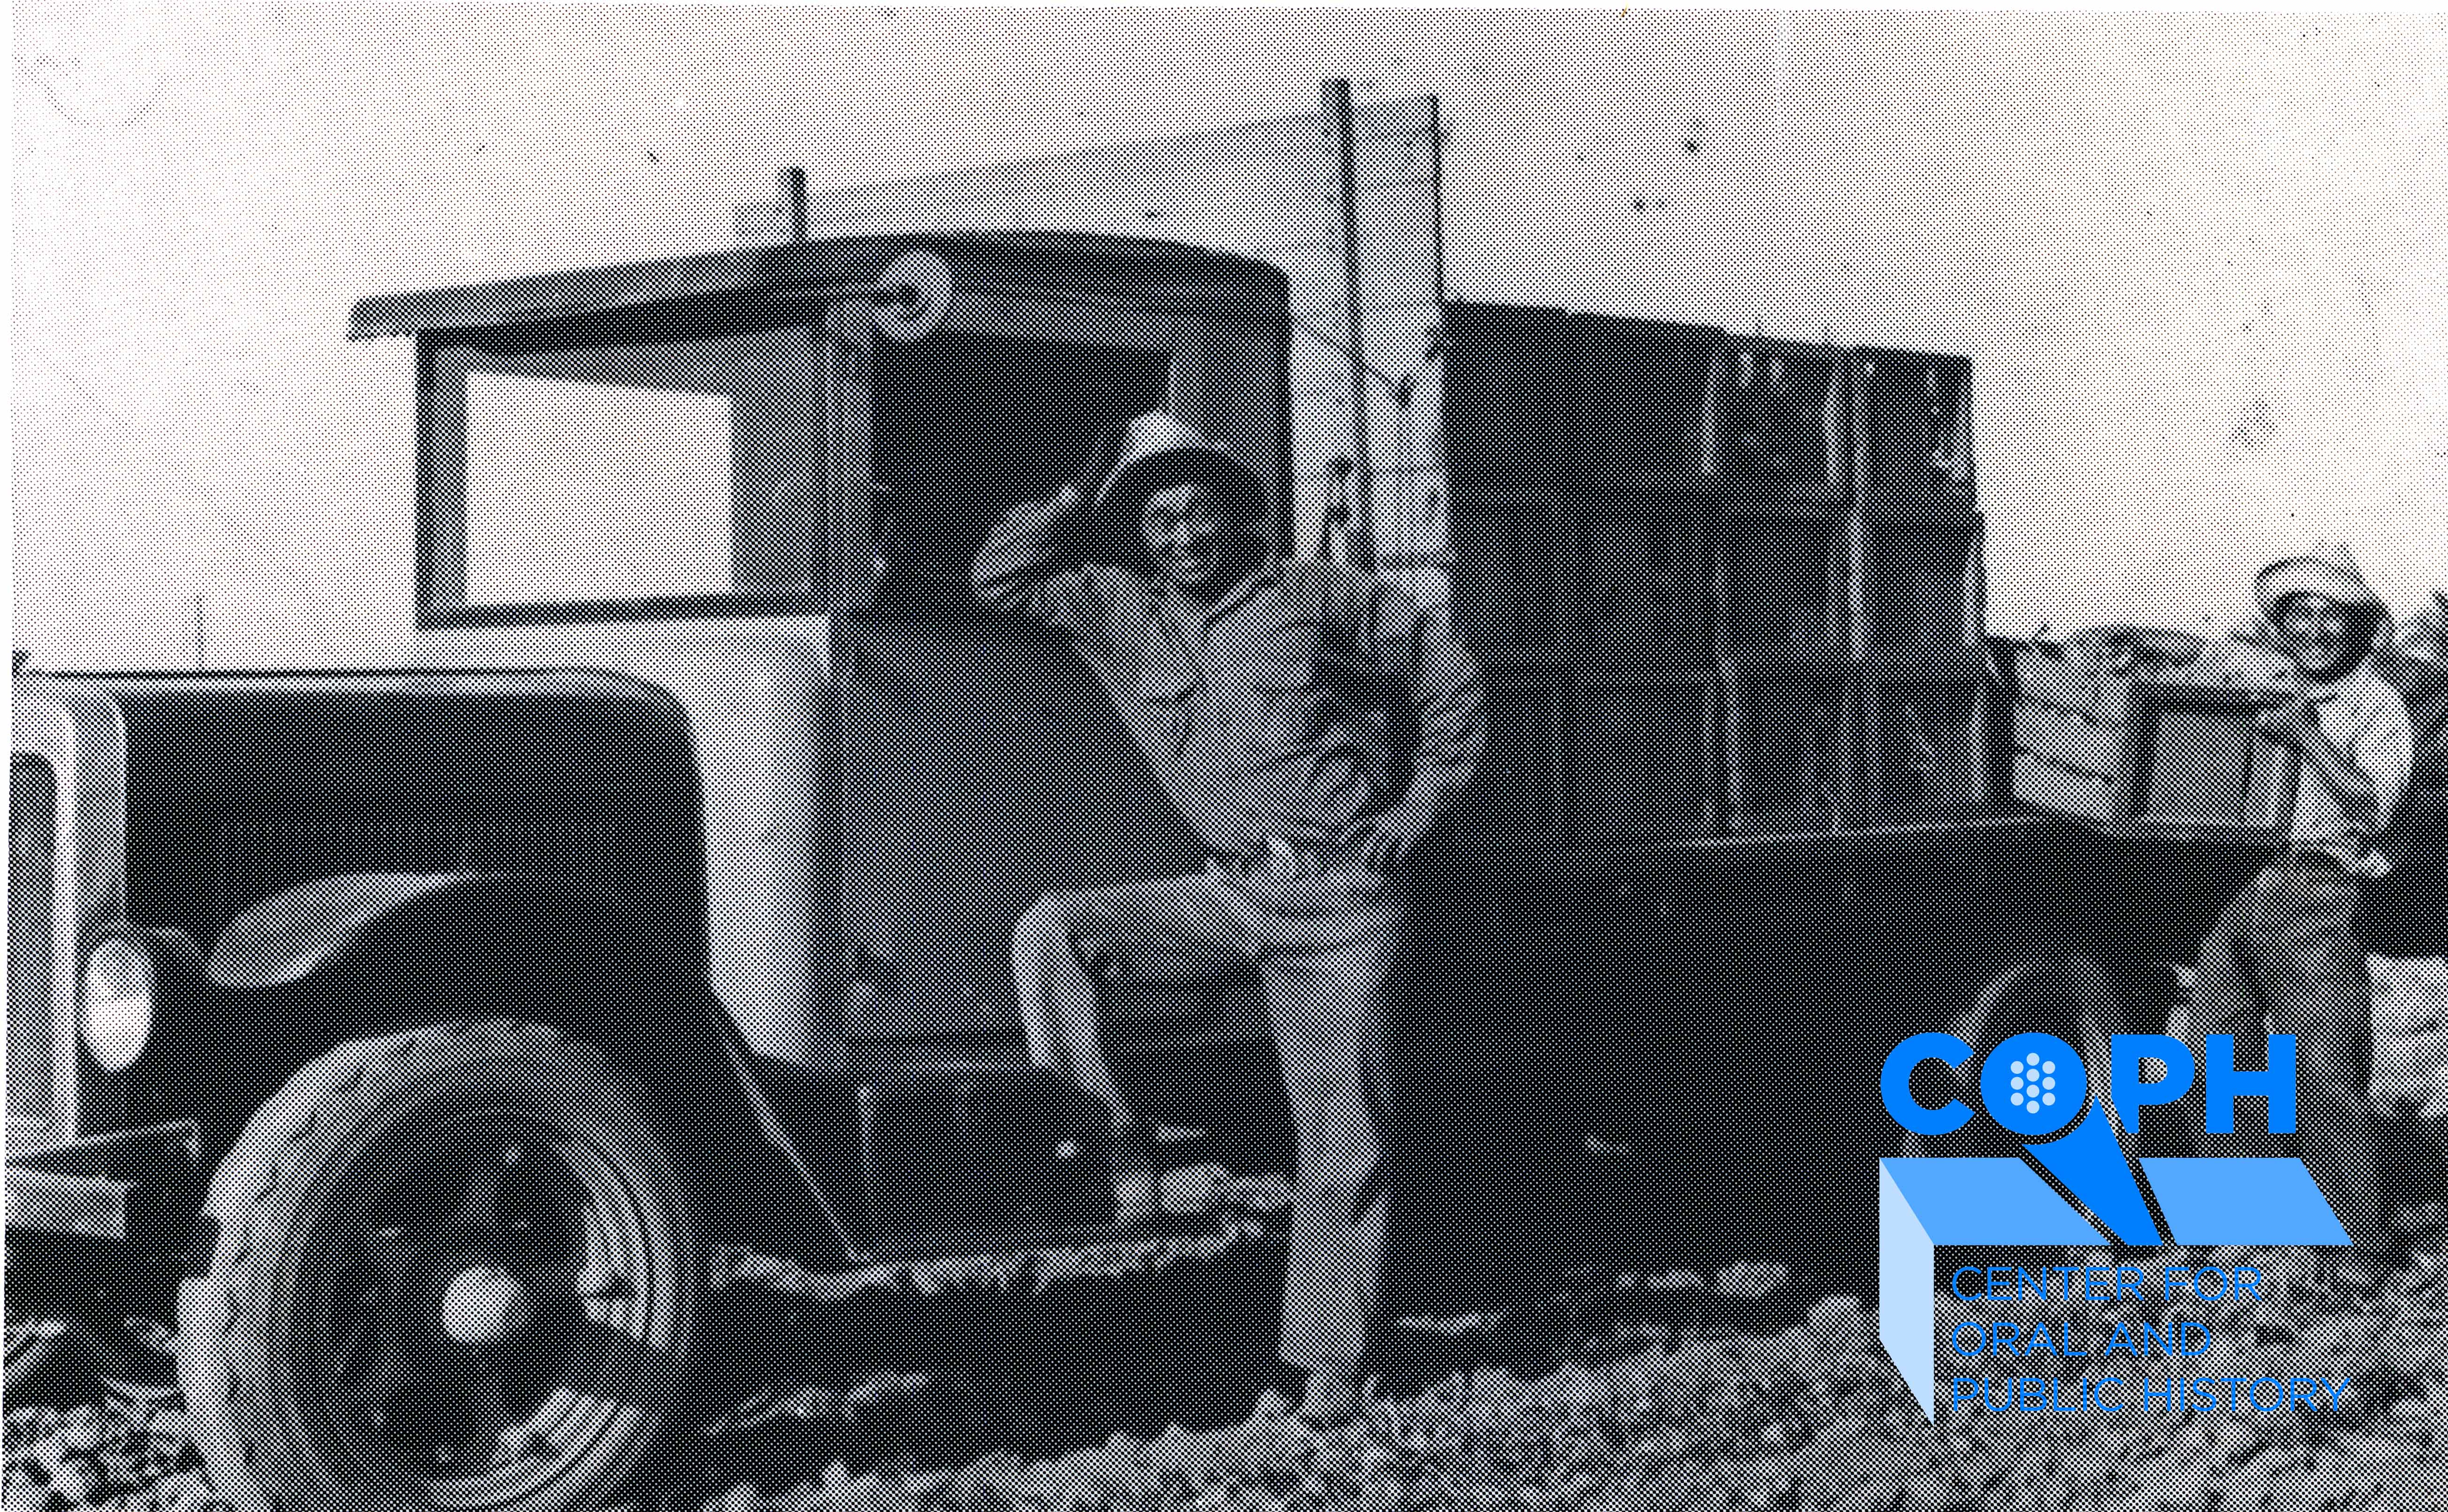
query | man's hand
(1391,841)
(2295,722)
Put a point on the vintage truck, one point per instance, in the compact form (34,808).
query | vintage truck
(442,1023)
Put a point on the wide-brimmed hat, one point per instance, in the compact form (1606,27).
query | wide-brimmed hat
(2329,576)
(1158,450)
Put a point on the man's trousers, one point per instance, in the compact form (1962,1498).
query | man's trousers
(2284,958)
(1322,937)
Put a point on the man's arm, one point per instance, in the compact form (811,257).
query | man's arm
(1029,565)
(2367,780)
(1450,704)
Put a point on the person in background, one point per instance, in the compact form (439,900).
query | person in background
(1309,720)
(2285,956)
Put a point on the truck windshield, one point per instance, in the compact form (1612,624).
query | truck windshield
(769,470)
(628,474)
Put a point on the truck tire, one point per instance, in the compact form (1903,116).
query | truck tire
(2072,996)
(451,1268)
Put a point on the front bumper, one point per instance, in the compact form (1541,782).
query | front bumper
(139,1189)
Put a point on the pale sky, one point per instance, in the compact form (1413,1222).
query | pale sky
(2201,262)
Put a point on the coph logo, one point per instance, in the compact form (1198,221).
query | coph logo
(2033,1084)
(2035,1087)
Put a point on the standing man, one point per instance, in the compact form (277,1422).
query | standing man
(1309,720)
(2285,953)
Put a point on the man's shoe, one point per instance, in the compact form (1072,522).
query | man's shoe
(1335,1395)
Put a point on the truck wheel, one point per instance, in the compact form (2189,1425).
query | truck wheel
(2073,996)
(451,1268)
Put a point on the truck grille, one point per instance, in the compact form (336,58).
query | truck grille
(33,822)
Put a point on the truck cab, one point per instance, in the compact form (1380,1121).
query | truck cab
(758,480)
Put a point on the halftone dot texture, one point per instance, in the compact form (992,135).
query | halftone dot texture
(1809,1418)
(2107,735)
(1764,670)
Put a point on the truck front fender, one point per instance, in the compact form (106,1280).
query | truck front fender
(362,956)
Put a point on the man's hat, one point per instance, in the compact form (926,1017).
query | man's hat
(1158,450)
(2332,577)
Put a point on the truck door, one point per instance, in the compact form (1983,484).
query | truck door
(980,762)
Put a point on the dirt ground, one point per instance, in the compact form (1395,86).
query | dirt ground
(1639,1413)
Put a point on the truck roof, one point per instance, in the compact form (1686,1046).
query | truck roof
(1090,260)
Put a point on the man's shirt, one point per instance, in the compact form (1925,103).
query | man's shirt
(1308,705)
(2367,720)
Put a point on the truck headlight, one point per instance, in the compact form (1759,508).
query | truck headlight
(116,1016)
